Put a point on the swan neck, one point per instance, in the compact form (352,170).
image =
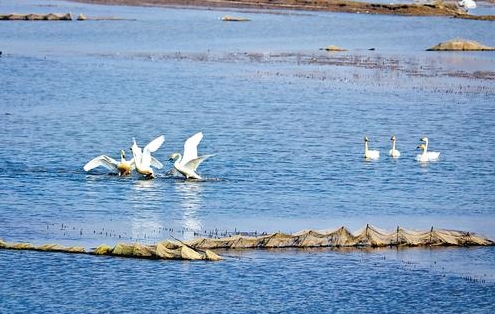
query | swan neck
(137,161)
(179,159)
(424,151)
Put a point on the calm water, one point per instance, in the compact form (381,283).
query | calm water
(261,282)
(286,122)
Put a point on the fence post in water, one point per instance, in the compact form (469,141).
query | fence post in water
(397,237)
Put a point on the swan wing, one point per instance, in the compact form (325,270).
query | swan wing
(136,152)
(191,148)
(132,163)
(394,153)
(433,155)
(154,144)
(156,163)
(194,163)
(103,161)
(372,154)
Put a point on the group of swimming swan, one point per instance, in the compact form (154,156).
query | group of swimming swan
(143,162)
(425,156)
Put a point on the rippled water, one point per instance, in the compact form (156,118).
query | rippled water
(258,282)
(286,122)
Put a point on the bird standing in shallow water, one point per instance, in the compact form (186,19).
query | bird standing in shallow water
(188,163)
(143,159)
(368,153)
(394,153)
(426,155)
(124,167)
(467,4)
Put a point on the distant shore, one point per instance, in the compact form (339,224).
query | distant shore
(433,8)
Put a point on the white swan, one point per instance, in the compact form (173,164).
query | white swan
(370,154)
(124,167)
(143,159)
(426,155)
(188,163)
(467,4)
(394,153)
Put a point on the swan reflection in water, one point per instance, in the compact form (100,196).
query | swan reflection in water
(146,222)
(189,193)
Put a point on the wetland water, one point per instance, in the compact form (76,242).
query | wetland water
(286,122)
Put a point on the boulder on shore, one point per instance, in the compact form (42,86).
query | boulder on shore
(334,48)
(460,45)
(37,17)
(102,250)
(229,18)
(172,250)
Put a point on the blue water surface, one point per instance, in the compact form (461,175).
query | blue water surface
(286,123)
(262,282)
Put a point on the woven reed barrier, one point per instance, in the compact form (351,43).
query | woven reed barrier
(370,236)
(200,248)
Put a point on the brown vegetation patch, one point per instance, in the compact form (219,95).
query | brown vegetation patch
(435,8)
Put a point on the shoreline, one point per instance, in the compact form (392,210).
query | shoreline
(438,8)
